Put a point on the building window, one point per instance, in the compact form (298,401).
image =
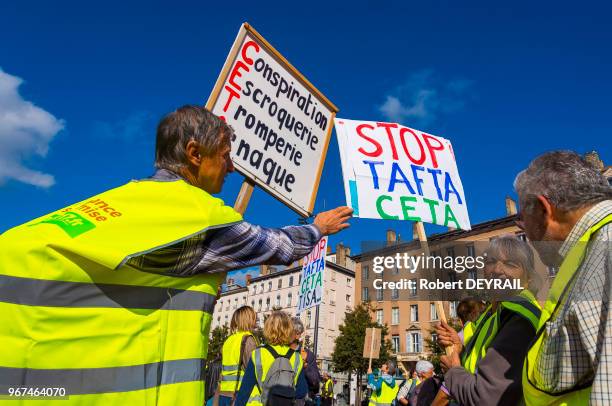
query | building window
(289,299)
(267,303)
(413,287)
(261,288)
(259,306)
(379,316)
(226,319)
(278,302)
(280,283)
(348,282)
(433,311)
(309,318)
(471,274)
(332,321)
(379,295)
(395,272)
(450,252)
(414,313)
(291,281)
(253,303)
(395,341)
(348,298)
(416,342)
(270,286)
(471,252)
(395,316)
(522,237)
(394,294)
(452,276)
(332,297)
(333,276)
(365,272)
(364,294)
(453,308)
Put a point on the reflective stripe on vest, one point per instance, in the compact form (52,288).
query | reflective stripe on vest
(263,360)
(77,313)
(533,393)
(231,359)
(386,397)
(488,323)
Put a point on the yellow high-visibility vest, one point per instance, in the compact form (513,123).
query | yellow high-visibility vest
(328,390)
(231,360)
(386,397)
(262,361)
(533,391)
(487,325)
(76,313)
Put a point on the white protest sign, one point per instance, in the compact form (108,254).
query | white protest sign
(313,276)
(281,121)
(395,172)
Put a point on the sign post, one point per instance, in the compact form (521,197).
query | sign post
(371,344)
(282,123)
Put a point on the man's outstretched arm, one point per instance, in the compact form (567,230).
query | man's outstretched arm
(244,244)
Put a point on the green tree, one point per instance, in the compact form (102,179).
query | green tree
(217,338)
(347,356)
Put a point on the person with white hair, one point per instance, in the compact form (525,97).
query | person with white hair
(384,389)
(566,212)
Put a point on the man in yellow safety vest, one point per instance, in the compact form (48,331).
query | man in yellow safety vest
(384,389)
(109,300)
(566,212)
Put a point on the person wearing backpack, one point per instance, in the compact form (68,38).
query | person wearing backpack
(274,375)
(237,350)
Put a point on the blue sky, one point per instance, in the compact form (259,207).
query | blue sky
(82,87)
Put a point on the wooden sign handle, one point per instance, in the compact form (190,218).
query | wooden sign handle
(242,201)
(442,316)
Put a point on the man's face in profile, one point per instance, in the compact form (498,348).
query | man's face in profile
(214,168)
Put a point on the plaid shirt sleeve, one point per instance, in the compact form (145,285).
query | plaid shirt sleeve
(244,244)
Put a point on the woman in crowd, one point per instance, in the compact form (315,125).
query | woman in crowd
(237,350)
(278,335)
(486,368)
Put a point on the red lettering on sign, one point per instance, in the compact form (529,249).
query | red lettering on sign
(439,147)
(378,149)
(402,133)
(388,127)
(236,72)
(250,44)
(232,94)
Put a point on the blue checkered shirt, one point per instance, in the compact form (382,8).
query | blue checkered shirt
(233,247)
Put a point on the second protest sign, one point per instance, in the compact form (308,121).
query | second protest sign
(281,121)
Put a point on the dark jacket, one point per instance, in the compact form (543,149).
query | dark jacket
(498,377)
(311,372)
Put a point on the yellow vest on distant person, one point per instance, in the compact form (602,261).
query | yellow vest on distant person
(76,314)
(231,373)
(533,393)
(386,397)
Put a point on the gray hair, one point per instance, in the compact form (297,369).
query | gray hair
(423,367)
(298,326)
(184,124)
(390,367)
(518,251)
(566,179)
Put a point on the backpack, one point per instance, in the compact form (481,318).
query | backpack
(278,389)
(212,376)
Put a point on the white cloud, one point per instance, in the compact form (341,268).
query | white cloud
(423,98)
(25,131)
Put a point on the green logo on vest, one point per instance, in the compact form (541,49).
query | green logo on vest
(72,223)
